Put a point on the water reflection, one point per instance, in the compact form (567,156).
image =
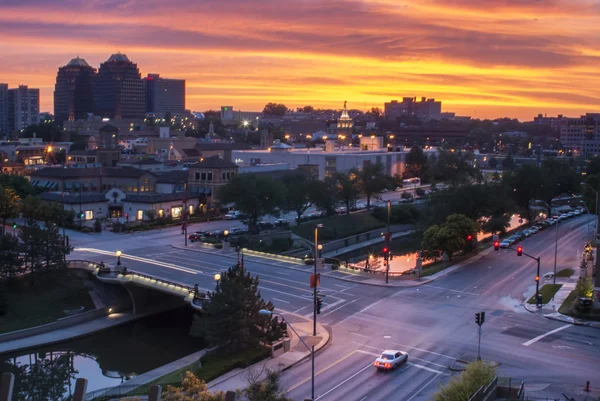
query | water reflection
(106,359)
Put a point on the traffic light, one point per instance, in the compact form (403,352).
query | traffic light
(519,251)
(496,245)
(478,318)
(482,318)
(537,278)
(319,305)
(385,250)
(82,215)
(127,215)
(469,237)
(14,225)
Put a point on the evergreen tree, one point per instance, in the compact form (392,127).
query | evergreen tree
(230,319)
(10,262)
(32,245)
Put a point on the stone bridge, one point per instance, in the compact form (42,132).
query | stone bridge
(143,289)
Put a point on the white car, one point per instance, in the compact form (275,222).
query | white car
(505,244)
(390,359)
(233,215)
(549,275)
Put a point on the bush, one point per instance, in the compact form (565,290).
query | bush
(584,287)
(400,214)
(86,230)
(335,265)
(460,388)
(420,192)
(219,245)
(281,244)
(406,195)
(98,226)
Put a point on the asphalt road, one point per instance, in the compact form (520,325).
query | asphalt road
(434,322)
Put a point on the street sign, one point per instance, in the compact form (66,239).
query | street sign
(315,280)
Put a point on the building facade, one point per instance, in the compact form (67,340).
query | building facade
(424,110)
(73,91)
(581,135)
(208,175)
(23,107)
(4,108)
(119,91)
(164,95)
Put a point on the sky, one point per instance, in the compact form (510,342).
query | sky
(482,58)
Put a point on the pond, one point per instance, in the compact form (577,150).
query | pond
(106,358)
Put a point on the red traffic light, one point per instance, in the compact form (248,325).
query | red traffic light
(519,251)
(469,238)
(385,250)
(496,245)
(537,278)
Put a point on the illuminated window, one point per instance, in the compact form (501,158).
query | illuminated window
(89,214)
(191,209)
(176,212)
(140,214)
(161,212)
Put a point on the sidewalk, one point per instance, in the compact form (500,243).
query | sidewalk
(238,379)
(69,333)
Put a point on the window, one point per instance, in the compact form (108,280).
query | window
(197,175)
(223,176)
(191,209)
(140,214)
(161,212)
(89,214)
(203,176)
(209,178)
(176,212)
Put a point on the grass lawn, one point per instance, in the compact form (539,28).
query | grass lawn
(547,292)
(565,273)
(565,308)
(44,302)
(340,226)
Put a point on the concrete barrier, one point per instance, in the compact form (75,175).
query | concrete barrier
(59,324)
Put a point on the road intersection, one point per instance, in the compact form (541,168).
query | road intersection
(433,322)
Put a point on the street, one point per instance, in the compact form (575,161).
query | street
(434,323)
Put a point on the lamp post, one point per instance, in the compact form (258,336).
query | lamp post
(217,279)
(597,206)
(315,273)
(265,312)
(118,253)
(387,244)
(225,234)
(555,243)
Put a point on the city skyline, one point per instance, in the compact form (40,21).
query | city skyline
(516,60)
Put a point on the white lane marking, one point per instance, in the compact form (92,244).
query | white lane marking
(344,382)
(263,288)
(331,311)
(361,335)
(410,356)
(450,289)
(298,310)
(423,388)
(283,274)
(368,353)
(415,348)
(280,300)
(425,368)
(327,307)
(352,286)
(538,338)
(364,398)
(339,285)
(373,304)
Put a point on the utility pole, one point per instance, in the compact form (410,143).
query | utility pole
(315,275)
(387,244)
(185,212)
(555,254)
(479,319)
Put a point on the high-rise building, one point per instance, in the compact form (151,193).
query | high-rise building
(23,107)
(424,110)
(581,135)
(73,92)
(119,91)
(164,95)
(4,108)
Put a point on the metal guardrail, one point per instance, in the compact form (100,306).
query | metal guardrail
(117,391)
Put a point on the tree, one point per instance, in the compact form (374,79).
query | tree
(9,205)
(192,389)
(308,109)
(20,184)
(449,237)
(508,163)
(151,214)
(49,132)
(415,161)
(525,184)
(10,262)
(254,196)
(372,180)
(584,287)
(323,195)
(348,187)
(231,319)
(275,109)
(268,389)
(493,162)
(32,245)
(375,111)
(297,197)
(431,249)
(53,251)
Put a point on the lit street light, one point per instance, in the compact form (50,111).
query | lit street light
(265,312)
(118,257)
(315,275)
(217,279)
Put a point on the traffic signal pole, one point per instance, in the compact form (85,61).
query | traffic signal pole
(520,252)
(387,244)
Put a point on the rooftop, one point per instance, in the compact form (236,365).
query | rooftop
(62,173)
(214,162)
(78,62)
(118,57)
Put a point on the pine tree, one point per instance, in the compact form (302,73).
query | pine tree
(230,319)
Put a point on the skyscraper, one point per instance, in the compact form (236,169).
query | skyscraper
(23,107)
(73,94)
(119,89)
(164,95)
(4,108)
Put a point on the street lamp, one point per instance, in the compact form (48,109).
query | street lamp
(597,204)
(265,312)
(118,253)
(225,234)
(217,279)
(315,275)
(555,243)
(387,244)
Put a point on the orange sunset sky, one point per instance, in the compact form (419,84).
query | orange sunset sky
(484,58)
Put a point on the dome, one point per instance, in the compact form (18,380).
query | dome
(119,57)
(78,62)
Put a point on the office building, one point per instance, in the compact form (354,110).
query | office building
(229,116)
(554,122)
(423,110)
(164,95)
(581,135)
(119,91)
(23,107)
(4,108)
(73,91)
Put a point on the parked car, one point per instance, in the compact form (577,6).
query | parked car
(571,214)
(504,244)
(512,240)
(232,215)
(577,213)
(282,223)
(390,359)
(564,216)
(534,229)
(237,231)
(528,233)
(194,237)
(549,275)
(521,235)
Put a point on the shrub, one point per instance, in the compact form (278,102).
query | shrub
(584,287)
(86,230)
(420,192)
(219,246)
(98,226)
(335,265)
(281,244)
(406,195)
(462,387)
(400,214)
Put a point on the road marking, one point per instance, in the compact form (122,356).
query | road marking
(344,382)
(450,289)
(364,398)
(339,285)
(280,300)
(321,371)
(283,274)
(423,388)
(327,307)
(331,311)
(425,368)
(411,357)
(538,338)
(373,304)
(408,346)
(284,293)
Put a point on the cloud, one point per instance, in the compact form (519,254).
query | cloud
(454,50)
